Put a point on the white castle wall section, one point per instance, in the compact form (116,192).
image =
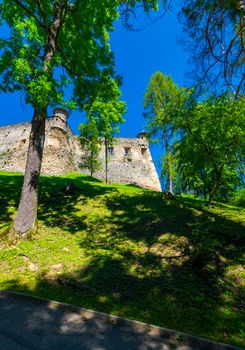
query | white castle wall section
(129,163)
(58,155)
(14,141)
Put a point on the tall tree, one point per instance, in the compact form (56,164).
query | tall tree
(213,134)
(162,102)
(43,37)
(217,42)
(89,140)
(52,44)
(105,114)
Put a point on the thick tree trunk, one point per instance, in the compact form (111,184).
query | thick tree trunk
(25,222)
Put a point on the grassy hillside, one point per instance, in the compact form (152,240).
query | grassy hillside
(128,251)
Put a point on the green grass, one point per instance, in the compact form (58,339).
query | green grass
(129,252)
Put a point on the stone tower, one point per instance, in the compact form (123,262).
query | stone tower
(58,158)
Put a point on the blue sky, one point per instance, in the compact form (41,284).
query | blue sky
(138,54)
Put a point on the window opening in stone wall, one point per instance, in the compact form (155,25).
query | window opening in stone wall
(143,150)
(110,151)
(127,151)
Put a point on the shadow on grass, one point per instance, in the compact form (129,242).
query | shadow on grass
(55,208)
(64,211)
(10,189)
(158,261)
(175,299)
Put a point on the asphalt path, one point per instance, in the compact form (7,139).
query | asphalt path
(35,324)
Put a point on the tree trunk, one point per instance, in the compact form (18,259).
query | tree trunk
(169,175)
(214,189)
(25,222)
(106,160)
(170,180)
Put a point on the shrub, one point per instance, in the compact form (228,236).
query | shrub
(239,198)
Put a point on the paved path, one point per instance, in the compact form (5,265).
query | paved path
(35,324)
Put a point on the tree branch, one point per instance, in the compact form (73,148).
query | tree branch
(42,13)
(30,13)
(240,85)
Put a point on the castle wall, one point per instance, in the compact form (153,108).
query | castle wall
(130,161)
(58,156)
(134,167)
(14,141)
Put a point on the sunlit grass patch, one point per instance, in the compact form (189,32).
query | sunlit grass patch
(127,251)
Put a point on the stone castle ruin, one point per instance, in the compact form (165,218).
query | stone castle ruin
(129,159)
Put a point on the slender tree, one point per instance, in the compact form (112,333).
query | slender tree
(90,144)
(213,134)
(43,37)
(162,102)
(106,115)
(103,116)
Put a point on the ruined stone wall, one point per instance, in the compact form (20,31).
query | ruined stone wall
(58,156)
(130,161)
(13,146)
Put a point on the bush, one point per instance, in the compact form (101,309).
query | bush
(239,198)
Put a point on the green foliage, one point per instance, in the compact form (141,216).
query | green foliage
(105,116)
(89,139)
(238,198)
(213,136)
(82,49)
(162,101)
(52,45)
(79,57)
(203,141)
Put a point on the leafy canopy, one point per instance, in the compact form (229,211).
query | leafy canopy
(163,101)
(213,134)
(82,53)
(82,57)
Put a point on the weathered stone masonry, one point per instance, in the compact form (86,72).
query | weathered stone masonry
(130,160)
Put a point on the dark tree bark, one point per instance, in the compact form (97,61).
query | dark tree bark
(25,222)
(214,188)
